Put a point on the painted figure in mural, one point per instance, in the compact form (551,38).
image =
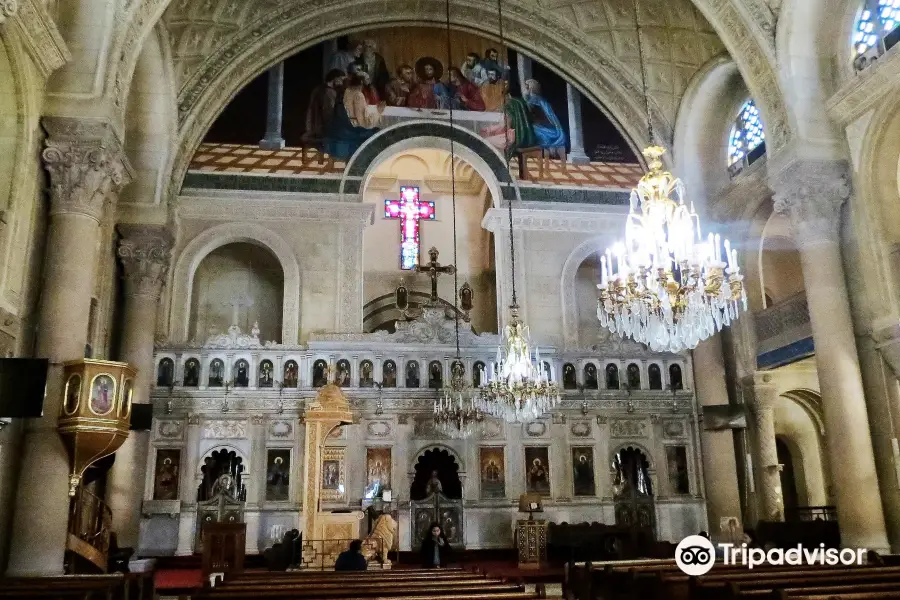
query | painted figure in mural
(352,123)
(492,61)
(569,378)
(547,127)
(365,374)
(516,132)
(473,70)
(374,66)
(343,373)
(492,471)
(321,106)
(101,401)
(435,376)
(320,373)
(492,91)
(430,92)
(241,378)
(216,373)
(412,374)
(369,90)
(400,87)
(265,374)
(466,95)
(537,475)
(342,59)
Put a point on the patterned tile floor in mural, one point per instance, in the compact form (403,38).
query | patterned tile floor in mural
(236,158)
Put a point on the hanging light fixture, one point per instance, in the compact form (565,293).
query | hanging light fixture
(667,287)
(519,388)
(456,413)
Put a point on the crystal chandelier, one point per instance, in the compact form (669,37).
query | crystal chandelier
(519,388)
(666,287)
(456,414)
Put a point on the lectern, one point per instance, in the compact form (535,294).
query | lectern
(531,534)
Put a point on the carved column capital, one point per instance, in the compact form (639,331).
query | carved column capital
(86,163)
(811,193)
(145,252)
(8,9)
(763,392)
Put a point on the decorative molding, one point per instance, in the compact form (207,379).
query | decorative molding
(281,429)
(867,89)
(492,429)
(627,428)
(209,205)
(145,252)
(580,429)
(221,429)
(609,221)
(378,429)
(811,193)
(235,339)
(673,428)
(87,165)
(170,429)
(41,38)
(536,429)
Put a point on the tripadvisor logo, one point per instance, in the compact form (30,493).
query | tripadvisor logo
(695,556)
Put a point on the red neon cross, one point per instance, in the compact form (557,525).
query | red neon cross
(409,209)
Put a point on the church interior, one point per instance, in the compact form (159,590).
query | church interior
(570,280)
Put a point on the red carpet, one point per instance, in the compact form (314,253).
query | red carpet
(178,579)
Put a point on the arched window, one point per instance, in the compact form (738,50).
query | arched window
(747,142)
(675,381)
(366,377)
(878,20)
(241,373)
(216,373)
(569,380)
(612,377)
(191,372)
(479,374)
(634,377)
(590,377)
(343,373)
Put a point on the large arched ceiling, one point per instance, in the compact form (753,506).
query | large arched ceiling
(220,45)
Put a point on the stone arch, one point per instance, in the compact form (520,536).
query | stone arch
(217,447)
(484,158)
(567,287)
(450,450)
(220,235)
(651,462)
(811,402)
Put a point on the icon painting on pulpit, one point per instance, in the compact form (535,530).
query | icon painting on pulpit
(73,393)
(103,392)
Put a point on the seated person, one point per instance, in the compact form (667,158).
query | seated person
(352,123)
(547,128)
(466,95)
(514,132)
(351,559)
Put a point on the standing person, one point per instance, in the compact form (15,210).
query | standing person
(473,70)
(351,559)
(435,548)
(321,106)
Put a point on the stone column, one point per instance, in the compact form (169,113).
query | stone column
(765,453)
(273,139)
(576,154)
(187,489)
(524,67)
(145,252)
(811,194)
(719,465)
(87,169)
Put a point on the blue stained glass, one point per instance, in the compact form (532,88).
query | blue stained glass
(888,16)
(746,134)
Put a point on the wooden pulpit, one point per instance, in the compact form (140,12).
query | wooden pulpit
(223,548)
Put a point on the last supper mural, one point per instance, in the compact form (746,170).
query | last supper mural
(341,92)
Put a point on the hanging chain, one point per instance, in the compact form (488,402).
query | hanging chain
(512,246)
(453,190)
(640,41)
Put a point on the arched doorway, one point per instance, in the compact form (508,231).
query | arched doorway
(633,489)
(436,494)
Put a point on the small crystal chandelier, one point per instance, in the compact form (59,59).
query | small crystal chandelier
(665,287)
(456,414)
(519,388)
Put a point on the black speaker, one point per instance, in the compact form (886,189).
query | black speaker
(23,385)
(141,417)
(891,39)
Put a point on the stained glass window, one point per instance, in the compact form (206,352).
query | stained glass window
(746,133)
(869,28)
(410,209)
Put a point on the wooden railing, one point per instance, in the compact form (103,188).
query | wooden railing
(90,521)
(812,513)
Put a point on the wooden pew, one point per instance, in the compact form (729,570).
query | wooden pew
(734,585)
(131,586)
